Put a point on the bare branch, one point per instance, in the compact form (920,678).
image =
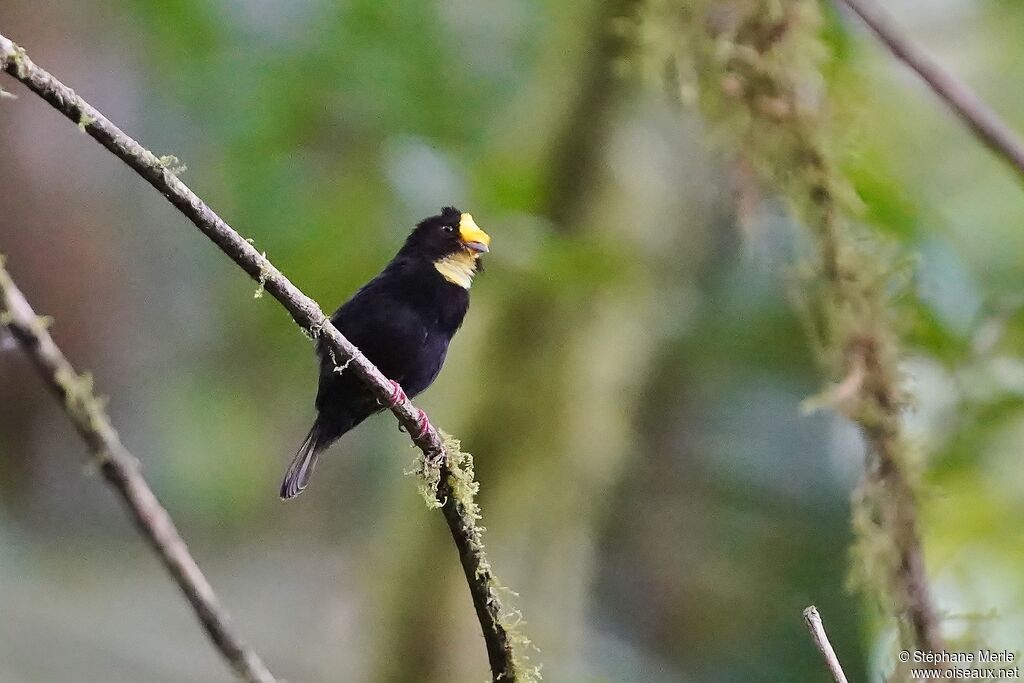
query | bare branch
(981,119)
(121,470)
(306,313)
(813,620)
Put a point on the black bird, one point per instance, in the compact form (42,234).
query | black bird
(402,320)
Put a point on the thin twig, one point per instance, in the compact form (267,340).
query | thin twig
(121,470)
(981,119)
(306,313)
(813,620)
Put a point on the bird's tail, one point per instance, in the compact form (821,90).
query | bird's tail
(301,469)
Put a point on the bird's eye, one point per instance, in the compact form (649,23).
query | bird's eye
(448,228)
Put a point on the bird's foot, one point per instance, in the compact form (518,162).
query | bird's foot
(397,396)
(422,425)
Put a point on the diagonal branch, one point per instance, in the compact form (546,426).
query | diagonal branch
(978,116)
(121,470)
(306,313)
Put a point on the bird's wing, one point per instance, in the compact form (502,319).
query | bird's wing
(387,330)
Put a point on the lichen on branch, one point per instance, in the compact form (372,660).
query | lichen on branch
(450,485)
(121,470)
(753,70)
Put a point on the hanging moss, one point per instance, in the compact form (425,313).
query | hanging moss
(462,486)
(753,70)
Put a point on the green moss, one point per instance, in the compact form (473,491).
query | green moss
(463,489)
(264,272)
(313,333)
(84,121)
(173,164)
(753,68)
(19,58)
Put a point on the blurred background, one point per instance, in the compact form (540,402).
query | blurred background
(629,378)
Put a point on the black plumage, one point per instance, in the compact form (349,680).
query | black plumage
(403,321)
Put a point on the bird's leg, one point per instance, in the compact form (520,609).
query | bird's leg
(398,397)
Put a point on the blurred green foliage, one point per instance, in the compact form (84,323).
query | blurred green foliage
(629,378)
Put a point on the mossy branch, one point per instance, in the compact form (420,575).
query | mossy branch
(303,310)
(752,67)
(121,470)
(451,486)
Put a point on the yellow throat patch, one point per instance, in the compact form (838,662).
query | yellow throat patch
(458,268)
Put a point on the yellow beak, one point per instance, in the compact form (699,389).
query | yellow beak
(473,238)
